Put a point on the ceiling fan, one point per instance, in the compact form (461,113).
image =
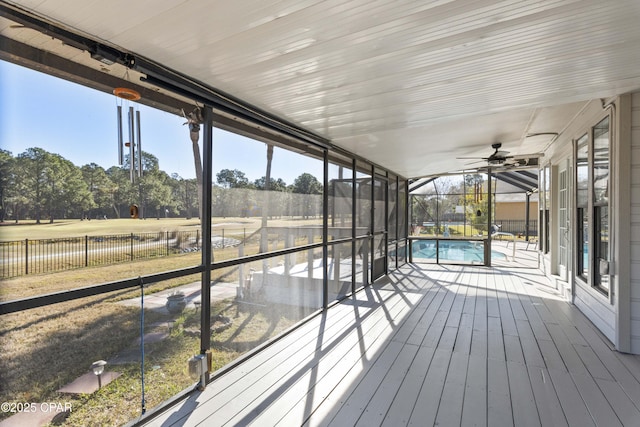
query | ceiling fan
(502,158)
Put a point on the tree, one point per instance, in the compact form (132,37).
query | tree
(65,192)
(6,181)
(308,185)
(155,192)
(274,184)
(100,186)
(185,194)
(32,166)
(228,178)
(122,192)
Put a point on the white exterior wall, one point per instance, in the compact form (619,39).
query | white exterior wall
(634,281)
(618,316)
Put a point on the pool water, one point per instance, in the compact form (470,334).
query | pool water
(463,251)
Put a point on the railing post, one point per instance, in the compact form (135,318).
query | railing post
(86,250)
(166,234)
(26,256)
(131,237)
(410,246)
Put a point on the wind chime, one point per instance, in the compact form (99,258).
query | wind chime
(477,192)
(134,143)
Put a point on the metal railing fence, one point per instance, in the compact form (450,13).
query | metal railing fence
(36,256)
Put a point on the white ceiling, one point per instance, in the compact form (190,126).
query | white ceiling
(410,85)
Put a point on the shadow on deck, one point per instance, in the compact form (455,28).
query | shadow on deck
(431,344)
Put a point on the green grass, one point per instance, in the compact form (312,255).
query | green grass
(76,228)
(46,348)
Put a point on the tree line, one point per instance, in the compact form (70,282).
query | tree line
(43,186)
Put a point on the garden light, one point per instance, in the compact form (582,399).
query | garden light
(98,369)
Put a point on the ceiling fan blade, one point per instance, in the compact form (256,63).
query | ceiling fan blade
(476,162)
(528,156)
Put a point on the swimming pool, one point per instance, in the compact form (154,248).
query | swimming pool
(463,251)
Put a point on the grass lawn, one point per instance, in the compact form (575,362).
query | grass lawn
(46,348)
(76,228)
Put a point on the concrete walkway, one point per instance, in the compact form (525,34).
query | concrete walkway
(157,301)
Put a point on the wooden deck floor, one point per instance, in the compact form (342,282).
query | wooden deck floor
(432,345)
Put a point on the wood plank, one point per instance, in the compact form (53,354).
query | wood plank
(464,334)
(495,339)
(631,362)
(448,338)
(474,407)
(600,410)
(593,364)
(450,408)
(493,308)
(626,411)
(470,299)
(351,407)
(426,407)
(569,355)
(506,316)
(543,311)
(400,410)
(421,329)
(514,299)
(524,330)
(533,317)
(549,408)
(251,399)
(377,407)
(415,317)
(230,385)
(493,351)
(499,411)
(312,389)
(480,343)
(458,303)
(523,404)
(432,337)
(572,404)
(531,351)
(551,356)
(513,349)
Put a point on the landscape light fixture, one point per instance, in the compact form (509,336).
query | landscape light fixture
(98,369)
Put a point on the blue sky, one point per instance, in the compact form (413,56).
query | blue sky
(80,124)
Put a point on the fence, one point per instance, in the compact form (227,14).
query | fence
(34,256)
(517,226)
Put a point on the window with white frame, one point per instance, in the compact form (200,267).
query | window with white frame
(592,206)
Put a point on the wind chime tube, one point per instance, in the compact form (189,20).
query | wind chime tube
(132,157)
(139,139)
(120,150)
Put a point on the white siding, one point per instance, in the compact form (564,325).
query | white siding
(635,223)
(591,302)
(597,308)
